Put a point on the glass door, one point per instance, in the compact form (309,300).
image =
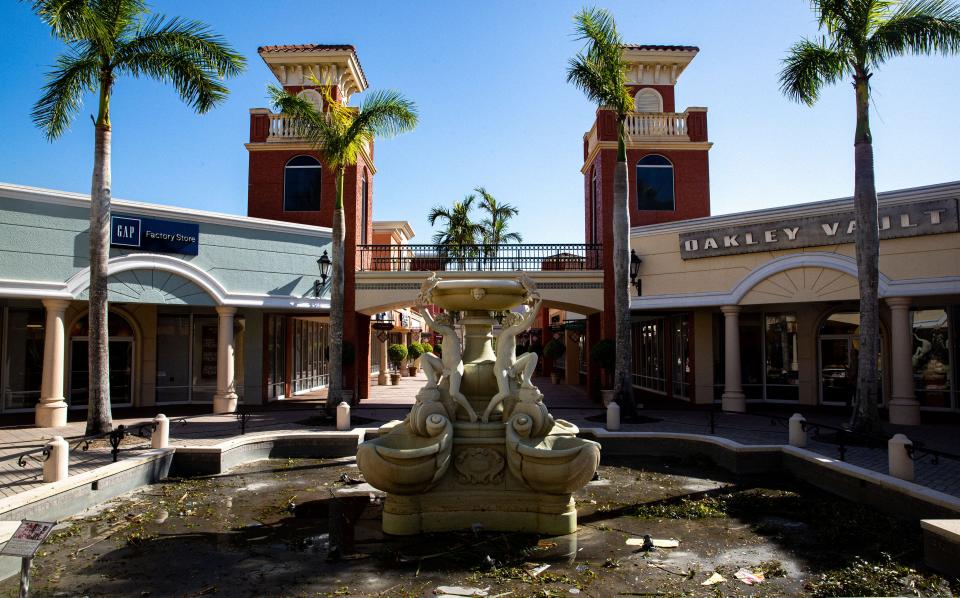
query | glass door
(838,382)
(121,371)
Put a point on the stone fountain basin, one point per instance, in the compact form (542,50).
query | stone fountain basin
(555,464)
(458,295)
(403,463)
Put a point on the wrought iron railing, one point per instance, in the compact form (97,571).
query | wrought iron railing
(479,258)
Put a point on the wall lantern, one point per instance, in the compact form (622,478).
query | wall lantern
(635,270)
(324,264)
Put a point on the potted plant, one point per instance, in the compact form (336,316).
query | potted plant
(396,353)
(554,351)
(604,354)
(427,347)
(414,351)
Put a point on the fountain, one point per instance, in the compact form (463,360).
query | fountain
(479,446)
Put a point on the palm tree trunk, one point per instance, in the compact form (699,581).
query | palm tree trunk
(623,379)
(865,416)
(99,418)
(336,300)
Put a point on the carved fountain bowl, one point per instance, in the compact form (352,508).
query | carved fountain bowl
(467,294)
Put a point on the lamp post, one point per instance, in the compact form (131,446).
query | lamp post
(324,264)
(635,270)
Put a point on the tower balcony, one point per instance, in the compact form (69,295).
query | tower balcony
(270,127)
(648,128)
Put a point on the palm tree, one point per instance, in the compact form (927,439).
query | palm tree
(860,36)
(108,39)
(459,236)
(494,228)
(340,134)
(599,71)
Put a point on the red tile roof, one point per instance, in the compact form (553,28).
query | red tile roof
(306,48)
(294,48)
(661,48)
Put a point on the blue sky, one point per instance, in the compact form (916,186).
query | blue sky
(489,80)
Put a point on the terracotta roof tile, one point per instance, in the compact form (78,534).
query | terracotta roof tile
(661,48)
(306,48)
(294,48)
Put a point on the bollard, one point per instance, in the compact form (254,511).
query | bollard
(161,432)
(901,465)
(343,416)
(55,468)
(798,436)
(613,416)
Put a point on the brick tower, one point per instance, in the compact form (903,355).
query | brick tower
(290,181)
(668,168)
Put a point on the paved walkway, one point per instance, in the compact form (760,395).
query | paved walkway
(392,402)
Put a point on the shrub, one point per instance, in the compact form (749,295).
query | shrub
(427,347)
(396,353)
(554,349)
(414,351)
(604,353)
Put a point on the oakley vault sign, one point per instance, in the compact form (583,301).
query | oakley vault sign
(154,236)
(908,220)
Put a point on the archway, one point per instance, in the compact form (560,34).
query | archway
(124,349)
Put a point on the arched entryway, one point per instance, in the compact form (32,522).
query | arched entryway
(123,360)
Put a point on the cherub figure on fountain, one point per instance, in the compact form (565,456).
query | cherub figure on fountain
(508,366)
(449,366)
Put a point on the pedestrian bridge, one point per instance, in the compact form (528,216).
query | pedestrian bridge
(568,276)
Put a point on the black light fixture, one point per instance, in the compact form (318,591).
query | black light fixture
(635,270)
(324,264)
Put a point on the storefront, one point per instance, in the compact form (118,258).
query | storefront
(203,307)
(762,307)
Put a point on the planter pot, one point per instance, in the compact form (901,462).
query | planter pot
(395,378)
(555,377)
(607,396)
(412,370)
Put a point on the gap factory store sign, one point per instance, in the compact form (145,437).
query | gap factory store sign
(154,236)
(909,220)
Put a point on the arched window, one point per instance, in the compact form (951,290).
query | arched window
(655,183)
(313,96)
(648,100)
(301,185)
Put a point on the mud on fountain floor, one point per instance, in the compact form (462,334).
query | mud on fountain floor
(264,530)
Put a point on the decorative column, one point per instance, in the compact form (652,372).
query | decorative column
(52,409)
(732,398)
(382,376)
(571,358)
(904,407)
(225,400)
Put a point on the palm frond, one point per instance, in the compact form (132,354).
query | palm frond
(386,113)
(162,35)
(808,67)
(598,70)
(75,74)
(920,27)
(195,83)
(119,17)
(70,20)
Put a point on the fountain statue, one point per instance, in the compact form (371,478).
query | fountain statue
(515,467)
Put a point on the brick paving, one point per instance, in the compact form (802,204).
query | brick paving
(392,402)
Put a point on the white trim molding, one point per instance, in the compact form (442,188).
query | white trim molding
(80,282)
(915,287)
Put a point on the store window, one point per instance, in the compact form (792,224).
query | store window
(121,364)
(932,374)
(22,370)
(301,185)
(655,184)
(682,375)
(276,347)
(173,358)
(769,364)
(839,352)
(782,381)
(649,363)
(310,358)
